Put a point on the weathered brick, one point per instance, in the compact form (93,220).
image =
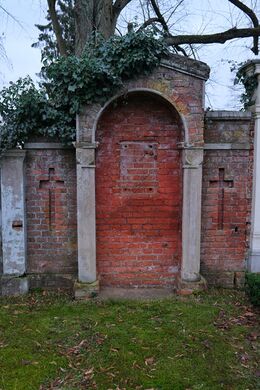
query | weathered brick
(138,236)
(51,215)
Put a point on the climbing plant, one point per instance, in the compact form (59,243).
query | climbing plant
(70,82)
(249,83)
(246,80)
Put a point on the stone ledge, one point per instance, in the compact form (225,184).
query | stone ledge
(17,153)
(228,115)
(187,65)
(45,145)
(227,146)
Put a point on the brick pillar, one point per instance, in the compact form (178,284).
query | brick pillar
(191,215)
(13,223)
(86,213)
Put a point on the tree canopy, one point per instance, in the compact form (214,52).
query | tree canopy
(89,48)
(88,17)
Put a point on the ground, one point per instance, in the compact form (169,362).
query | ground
(207,341)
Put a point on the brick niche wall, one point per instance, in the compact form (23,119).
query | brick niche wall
(226,198)
(138,193)
(51,212)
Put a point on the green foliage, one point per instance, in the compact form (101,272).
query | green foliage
(253,287)
(249,82)
(27,111)
(47,40)
(70,82)
(50,342)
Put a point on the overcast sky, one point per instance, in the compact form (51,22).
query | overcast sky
(200,15)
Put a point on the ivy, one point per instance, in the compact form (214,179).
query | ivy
(70,82)
(250,84)
(248,81)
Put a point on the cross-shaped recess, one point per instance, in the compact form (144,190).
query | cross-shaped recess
(221,183)
(51,184)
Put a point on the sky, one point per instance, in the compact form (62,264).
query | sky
(194,16)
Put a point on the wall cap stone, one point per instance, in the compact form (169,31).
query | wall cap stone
(45,145)
(250,65)
(85,145)
(187,65)
(14,153)
(228,146)
(228,115)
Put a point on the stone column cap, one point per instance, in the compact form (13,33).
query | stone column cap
(251,66)
(14,153)
(85,145)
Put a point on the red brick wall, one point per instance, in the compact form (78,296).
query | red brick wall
(226,202)
(51,211)
(138,193)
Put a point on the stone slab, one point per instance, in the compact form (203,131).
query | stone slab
(135,293)
(11,286)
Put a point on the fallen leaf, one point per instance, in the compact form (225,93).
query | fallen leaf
(149,361)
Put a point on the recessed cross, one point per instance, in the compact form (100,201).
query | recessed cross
(51,184)
(221,183)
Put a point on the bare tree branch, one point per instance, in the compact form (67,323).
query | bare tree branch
(180,49)
(119,5)
(250,13)
(174,10)
(222,37)
(11,16)
(56,27)
(159,15)
(148,22)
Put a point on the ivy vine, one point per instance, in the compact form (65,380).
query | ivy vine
(70,82)
(249,82)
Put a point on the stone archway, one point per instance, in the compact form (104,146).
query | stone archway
(191,167)
(139,192)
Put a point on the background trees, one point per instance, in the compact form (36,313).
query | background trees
(166,18)
(89,48)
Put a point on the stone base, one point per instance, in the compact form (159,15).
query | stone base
(188,288)
(225,279)
(52,281)
(86,290)
(140,293)
(13,286)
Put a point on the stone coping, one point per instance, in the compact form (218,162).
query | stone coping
(228,146)
(250,63)
(45,145)
(14,153)
(187,65)
(228,115)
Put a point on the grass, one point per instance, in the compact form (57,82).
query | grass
(206,342)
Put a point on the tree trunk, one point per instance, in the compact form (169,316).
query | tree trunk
(93,16)
(84,11)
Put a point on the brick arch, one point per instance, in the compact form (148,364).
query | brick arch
(139,192)
(149,92)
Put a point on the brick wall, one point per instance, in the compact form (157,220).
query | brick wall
(180,80)
(138,193)
(226,204)
(51,211)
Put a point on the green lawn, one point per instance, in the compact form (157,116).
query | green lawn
(208,341)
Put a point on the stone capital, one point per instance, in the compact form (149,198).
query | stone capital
(192,158)
(15,154)
(85,157)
